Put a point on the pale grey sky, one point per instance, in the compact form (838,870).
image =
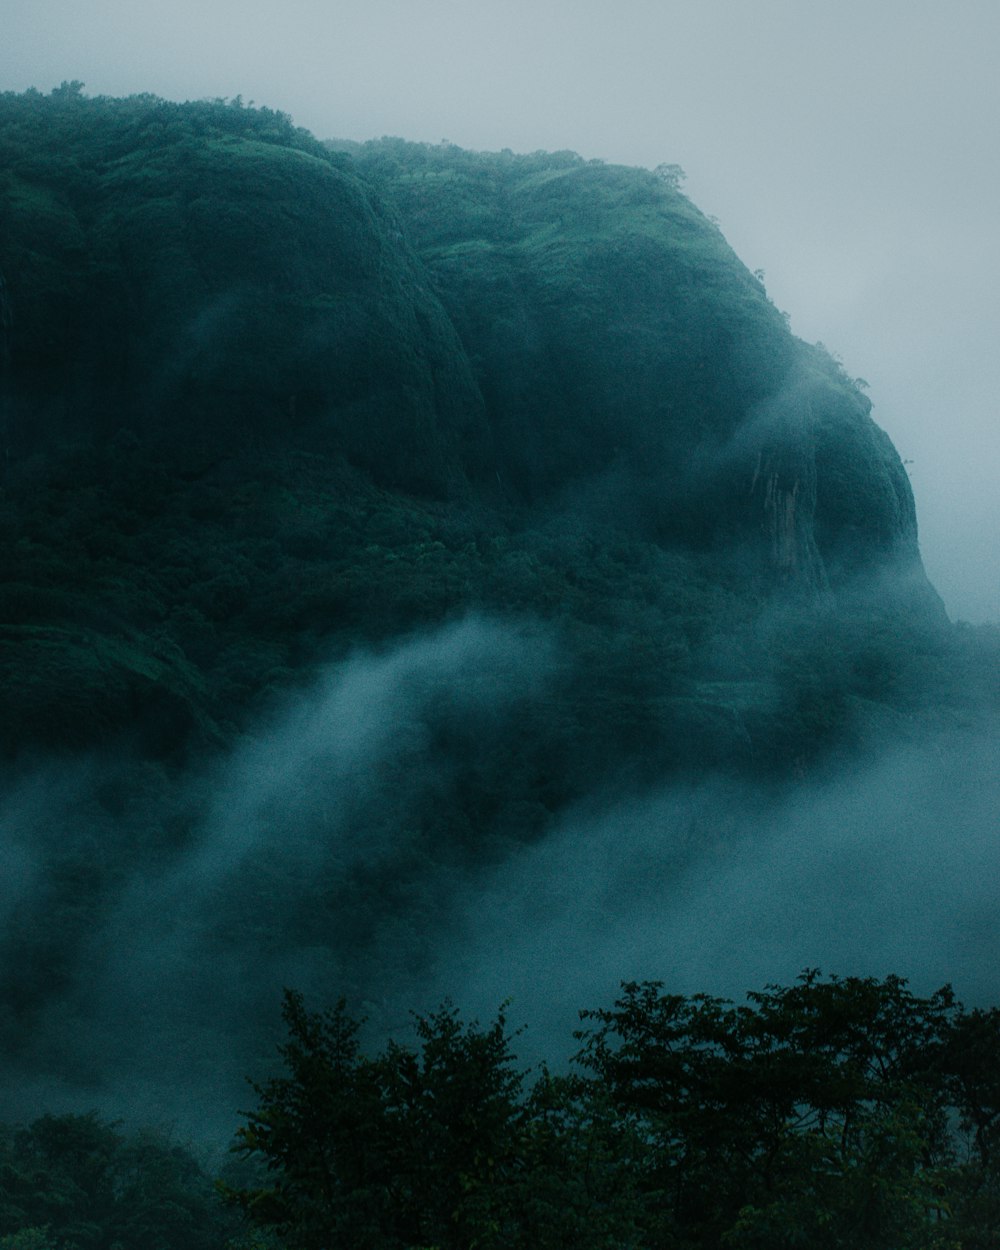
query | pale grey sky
(848,147)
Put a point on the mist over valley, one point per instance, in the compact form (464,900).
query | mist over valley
(437,575)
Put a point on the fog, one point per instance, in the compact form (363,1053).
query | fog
(877,869)
(847,150)
(297,862)
(301,859)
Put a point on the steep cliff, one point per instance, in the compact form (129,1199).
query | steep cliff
(614,335)
(267,398)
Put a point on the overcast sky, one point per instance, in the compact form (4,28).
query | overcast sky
(849,148)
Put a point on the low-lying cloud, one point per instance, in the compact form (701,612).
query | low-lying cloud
(310,857)
(887,868)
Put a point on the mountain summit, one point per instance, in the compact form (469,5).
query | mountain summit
(265,398)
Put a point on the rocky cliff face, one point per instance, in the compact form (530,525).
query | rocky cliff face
(617,341)
(830,493)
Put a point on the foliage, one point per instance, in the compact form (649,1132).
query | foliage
(68,1182)
(264,400)
(28,1239)
(830,1113)
(816,1102)
(266,403)
(414,1148)
(431,1145)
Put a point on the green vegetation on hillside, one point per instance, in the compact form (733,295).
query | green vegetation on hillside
(835,1112)
(264,401)
(77,1182)
(365,510)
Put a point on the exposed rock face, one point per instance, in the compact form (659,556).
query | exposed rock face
(788,504)
(617,340)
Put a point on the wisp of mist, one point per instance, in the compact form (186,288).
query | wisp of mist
(303,866)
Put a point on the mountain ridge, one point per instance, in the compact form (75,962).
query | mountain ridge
(373,520)
(202,298)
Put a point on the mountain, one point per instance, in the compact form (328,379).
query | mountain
(234,356)
(617,339)
(366,512)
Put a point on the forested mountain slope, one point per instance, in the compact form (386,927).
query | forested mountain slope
(616,338)
(262,400)
(364,510)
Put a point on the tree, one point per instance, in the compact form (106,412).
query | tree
(414,1147)
(825,1099)
(581,1168)
(436,1144)
(672,175)
(832,1114)
(76,1181)
(321,1131)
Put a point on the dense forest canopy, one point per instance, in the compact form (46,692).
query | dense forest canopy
(833,1112)
(370,516)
